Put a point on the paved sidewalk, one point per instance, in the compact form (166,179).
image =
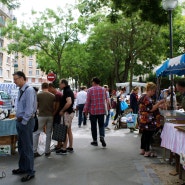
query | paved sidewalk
(117,164)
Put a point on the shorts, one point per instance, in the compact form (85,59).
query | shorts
(68,118)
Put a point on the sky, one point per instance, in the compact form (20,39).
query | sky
(24,12)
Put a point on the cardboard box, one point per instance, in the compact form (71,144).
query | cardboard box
(9,140)
(5,150)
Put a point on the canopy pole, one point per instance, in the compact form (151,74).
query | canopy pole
(171,55)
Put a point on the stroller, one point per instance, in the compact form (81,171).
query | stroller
(126,120)
(121,120)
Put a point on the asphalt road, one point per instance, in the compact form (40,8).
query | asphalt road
(117,164)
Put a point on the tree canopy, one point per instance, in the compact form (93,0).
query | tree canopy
(11,4)
(120,42)
(46,37)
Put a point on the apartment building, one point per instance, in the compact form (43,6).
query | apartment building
(9,63)
(6,60)
(29,66)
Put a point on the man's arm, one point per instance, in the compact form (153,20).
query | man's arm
(66,106)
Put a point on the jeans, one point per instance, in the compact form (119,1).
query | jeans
(25,146)
(107,119)
(43,121)
(81,115)
(94,119)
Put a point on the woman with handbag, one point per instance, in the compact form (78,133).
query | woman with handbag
(120,98)
(148,117)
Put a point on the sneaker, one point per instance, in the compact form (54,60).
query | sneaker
(55,149)
(102,141)
(37,154)
(107,128)
(113,123)
(70,150)
(47,154)
(94,143)
(61,152)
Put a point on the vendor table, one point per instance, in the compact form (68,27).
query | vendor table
(8,133)
(173,139)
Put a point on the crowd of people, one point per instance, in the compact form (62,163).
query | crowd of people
(52,106)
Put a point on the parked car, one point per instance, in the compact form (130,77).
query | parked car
(5,101)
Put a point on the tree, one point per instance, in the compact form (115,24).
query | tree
(11,4)
(47,37)
(148,10)
(130,44)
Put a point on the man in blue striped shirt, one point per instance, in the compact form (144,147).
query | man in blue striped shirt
(26,108)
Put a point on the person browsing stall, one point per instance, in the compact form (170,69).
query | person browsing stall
(26,108)
(46,104)
(148,117)
(67,112)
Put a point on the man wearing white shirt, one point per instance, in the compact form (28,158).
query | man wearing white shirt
(80,102)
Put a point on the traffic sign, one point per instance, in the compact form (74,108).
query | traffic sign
(51,77)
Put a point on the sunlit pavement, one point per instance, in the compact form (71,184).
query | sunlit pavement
(117,164)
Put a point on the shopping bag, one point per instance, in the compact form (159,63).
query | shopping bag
(123,105)
(131,120)
(41,143)
(60,131)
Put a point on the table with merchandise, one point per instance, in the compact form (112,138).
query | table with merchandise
(8,136)
(173,137)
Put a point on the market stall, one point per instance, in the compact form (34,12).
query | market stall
(173,135)
(172,66)
(134,84)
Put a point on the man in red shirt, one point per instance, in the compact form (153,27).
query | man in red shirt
(95,106)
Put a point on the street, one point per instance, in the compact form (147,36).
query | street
(119,163)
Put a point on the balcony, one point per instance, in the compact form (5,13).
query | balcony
(5,11)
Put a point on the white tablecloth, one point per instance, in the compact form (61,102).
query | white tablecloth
(173,139)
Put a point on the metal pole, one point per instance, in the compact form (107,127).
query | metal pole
(171,56)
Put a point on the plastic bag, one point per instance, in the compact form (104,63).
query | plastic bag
(131,118)
(123,105)
(42,143)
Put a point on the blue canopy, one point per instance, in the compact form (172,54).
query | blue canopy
(172,66)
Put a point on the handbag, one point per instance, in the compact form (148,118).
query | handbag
(60,131)
(123,105)
(36,123)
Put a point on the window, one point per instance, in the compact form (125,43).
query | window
(31,56)
(30,63)
(8,60)
(1,72)
(1,60)
(8,73)
(1,43)
(30,73)
(37,72)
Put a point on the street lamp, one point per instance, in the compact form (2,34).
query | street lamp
(169,5)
